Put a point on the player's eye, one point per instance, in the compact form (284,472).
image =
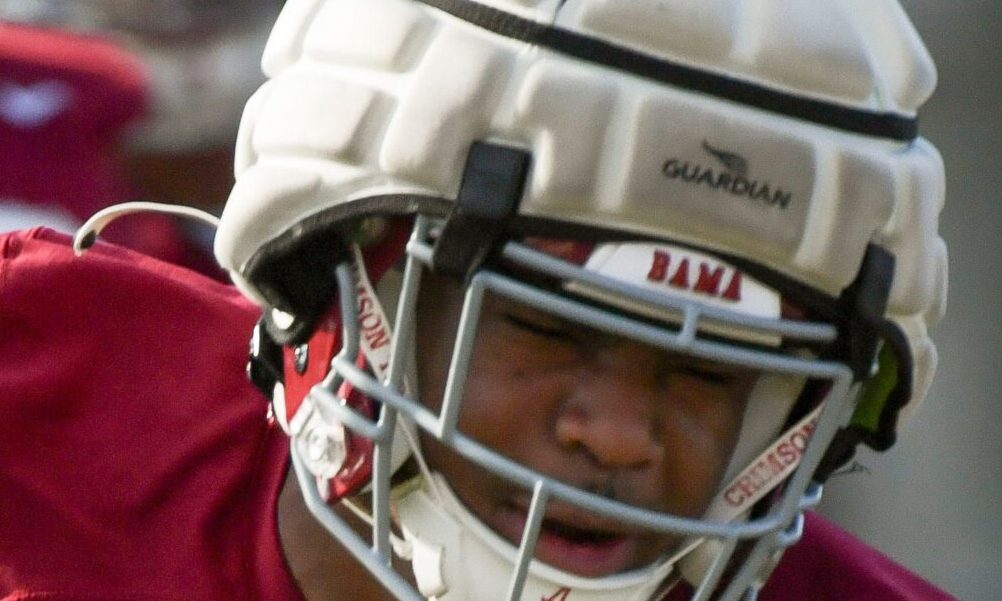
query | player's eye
(706,372)
(708,376)
(549,330)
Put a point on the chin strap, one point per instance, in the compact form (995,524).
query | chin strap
(447,539)
(766,472)
(86,235)
(338,456)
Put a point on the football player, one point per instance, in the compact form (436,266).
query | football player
(559,300)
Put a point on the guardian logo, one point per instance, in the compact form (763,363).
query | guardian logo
(733,178)
(731,161)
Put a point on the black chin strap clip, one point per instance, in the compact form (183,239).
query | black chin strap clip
(888,390)
(264,364)
(489,195)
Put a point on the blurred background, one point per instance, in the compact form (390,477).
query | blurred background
(107,101)
(153,116)
(934,501)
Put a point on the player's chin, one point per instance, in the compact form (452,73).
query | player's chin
(579,544)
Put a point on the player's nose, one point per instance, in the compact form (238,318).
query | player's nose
(611,413)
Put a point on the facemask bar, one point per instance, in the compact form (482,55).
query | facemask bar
(772,530)
(378,563)
(544,263)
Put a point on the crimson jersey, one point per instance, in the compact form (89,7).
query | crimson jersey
(138,463)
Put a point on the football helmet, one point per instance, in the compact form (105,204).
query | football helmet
(737,181)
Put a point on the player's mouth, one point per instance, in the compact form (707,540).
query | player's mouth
(572,540)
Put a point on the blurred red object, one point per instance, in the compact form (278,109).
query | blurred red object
(66,102)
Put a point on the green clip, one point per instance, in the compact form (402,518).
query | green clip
(876,390)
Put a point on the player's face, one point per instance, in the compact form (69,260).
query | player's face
(608,415)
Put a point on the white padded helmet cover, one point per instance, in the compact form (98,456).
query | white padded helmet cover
(376,96)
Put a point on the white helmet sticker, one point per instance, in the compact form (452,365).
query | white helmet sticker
(684,274)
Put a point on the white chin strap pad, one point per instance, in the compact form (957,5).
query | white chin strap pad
(456,557)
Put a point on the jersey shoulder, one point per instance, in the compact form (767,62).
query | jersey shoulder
(829,564)
(47,286)
(114,326)
(137,459)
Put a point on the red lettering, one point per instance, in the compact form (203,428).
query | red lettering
(809,427)
(776,466)
(375,337)
(709,282)
(370,321)
(561,595)
(734,496)
(802,437)
(760,480)
(787,452)
(746,486)
(364,304)
(659,266)
(733,290)
(681,277)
